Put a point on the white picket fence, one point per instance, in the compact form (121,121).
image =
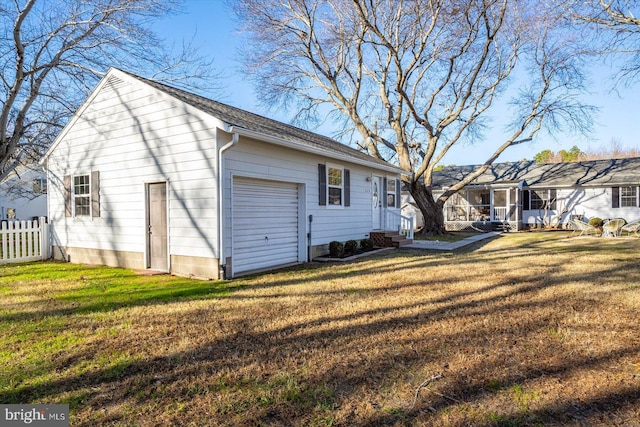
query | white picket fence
(22,241)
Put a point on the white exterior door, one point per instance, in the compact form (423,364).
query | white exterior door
(265,224)
(376,202)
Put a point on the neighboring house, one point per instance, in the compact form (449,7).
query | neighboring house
(23,192)
(148,176)
(526,194)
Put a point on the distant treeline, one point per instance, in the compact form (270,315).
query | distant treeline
(575,154)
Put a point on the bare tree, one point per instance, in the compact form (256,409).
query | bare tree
(52,52)
(549,221)
(617,30)
(414,78)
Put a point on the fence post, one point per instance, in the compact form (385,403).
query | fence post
(44,238)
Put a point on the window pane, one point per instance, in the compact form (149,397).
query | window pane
(538,199)
(391,199)
(335,176)
(335,196)
(391,186)
(81,184)
(82,206)
(627,196)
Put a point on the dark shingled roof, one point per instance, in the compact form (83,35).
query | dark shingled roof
(573,174)
(256,123)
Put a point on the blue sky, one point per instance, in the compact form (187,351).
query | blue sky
(209,23)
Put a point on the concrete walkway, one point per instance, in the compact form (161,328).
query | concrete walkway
(436,245)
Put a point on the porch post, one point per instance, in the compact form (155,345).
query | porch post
(492,212)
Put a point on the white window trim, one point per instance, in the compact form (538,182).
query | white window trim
(341,186)
(635,197)
(73,196)
(391,179)
(546,200)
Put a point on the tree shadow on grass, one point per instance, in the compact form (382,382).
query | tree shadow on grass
(247,359)
(104,289)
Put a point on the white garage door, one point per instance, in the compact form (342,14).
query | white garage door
(265,224)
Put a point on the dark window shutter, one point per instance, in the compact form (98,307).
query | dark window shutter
(322,184)
(95,194)
(67,196)
(615,197)
(398,183)
(638,195)
(526,198)
(384,192)
(553,194)
(347,187)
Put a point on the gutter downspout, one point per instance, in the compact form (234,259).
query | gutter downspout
(223,266)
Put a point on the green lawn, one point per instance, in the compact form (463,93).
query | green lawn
(528,329)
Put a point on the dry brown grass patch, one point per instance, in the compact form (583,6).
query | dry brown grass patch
(533,328)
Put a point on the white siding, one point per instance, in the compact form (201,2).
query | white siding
(134,135)
(250,158)
(589,202)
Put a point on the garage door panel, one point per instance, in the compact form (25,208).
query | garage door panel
(280,230)
(264,209)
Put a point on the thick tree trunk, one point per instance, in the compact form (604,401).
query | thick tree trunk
(430,208)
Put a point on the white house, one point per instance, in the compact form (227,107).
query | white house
(148,176)
(525,194)
(23,192)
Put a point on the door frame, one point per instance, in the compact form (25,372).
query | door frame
(376,179)
(147,251)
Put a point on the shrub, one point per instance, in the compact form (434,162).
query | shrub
(336,249)
(350,246)
(596,222)
(366,244)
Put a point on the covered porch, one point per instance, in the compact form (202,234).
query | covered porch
(485,209)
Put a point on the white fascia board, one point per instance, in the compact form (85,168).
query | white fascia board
(313,150)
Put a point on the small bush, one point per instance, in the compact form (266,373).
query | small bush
(596,222)
(350,246)
(336,249)
(366,244)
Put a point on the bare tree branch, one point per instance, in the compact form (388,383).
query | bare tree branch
(413,79)
(613,30)
(53,52)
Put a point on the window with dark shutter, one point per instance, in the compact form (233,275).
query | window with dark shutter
(553,195)
(384,192)
(322,184)
(526,200)
(347,187)
(615,197)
